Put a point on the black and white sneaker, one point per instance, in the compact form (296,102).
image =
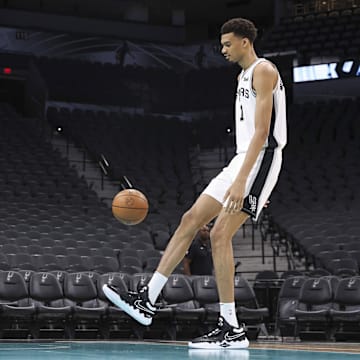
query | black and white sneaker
(224,336)
(137,305)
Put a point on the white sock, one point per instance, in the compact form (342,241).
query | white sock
(228,312)
(155,286)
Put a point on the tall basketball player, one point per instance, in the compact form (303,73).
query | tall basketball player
(240,190)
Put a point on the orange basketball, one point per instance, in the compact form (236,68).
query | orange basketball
(130,206)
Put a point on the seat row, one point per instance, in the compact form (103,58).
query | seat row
(101,260)
(318,30)
(318,179)
(319,308)
(73,305)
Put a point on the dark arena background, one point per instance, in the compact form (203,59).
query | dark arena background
(98,96)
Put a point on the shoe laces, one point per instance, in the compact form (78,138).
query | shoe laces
(220,324)
(213,332)
(217,330)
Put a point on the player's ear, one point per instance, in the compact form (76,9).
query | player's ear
(245,42)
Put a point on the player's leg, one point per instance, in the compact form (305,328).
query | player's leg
(227,333)
(221,237)
(260,184)
(202,212)
(140,305)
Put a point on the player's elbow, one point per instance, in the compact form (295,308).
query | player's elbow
(262,133)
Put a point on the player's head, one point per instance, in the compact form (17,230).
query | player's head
(242,28)
(237,37)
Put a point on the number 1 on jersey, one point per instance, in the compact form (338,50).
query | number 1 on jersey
(241,113)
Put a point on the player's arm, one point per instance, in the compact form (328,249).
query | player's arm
(264,80)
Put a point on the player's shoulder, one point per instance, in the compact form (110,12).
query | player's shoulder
(266,67)
(265,72)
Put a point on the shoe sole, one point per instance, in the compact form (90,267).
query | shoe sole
(134,313)
(228,354)
(243,344)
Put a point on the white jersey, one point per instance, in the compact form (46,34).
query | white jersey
(245,105)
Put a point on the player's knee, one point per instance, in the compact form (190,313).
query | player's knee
(191,221)
(188,219)
(217,238)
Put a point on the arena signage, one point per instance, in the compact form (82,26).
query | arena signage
(328,71)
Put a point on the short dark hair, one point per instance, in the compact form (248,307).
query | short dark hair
(240,27)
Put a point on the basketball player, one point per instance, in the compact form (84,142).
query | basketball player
(240,190)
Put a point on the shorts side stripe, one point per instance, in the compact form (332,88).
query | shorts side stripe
(251,201)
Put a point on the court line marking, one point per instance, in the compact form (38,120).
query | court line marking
(306,347)
(47,348)
(340,350)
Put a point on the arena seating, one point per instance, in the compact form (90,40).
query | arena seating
(178,293)
(72,305)
(313,307)
(68,233)
(323,34)
(50,218)
(287,304)
(324,307)
(59,243)
(157,90)
(319,180)
(345,313)
(152,151)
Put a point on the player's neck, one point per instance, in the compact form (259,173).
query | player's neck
(248,60)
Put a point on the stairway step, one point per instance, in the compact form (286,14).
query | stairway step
(104,187)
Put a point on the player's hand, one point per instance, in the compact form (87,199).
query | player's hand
(235,197)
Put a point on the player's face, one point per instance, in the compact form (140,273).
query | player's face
(233,47)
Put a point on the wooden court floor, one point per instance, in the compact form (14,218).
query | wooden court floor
(81,350)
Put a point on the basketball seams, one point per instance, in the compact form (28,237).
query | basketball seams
(135,196)
(130,206)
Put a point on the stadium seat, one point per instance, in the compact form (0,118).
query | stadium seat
(23,261)
(187,313)
(51,311)
(287,303)
(344,267)
(139,280)
(88,310)
(161,239)
(75,263)
(266,288)
(206,294)
(318,272)
(17,308)
(345,313)
(117,321)
(313,308)
(103,264)
(128,261)
(47,262)
(4,264)
(151,264)
(248,309)
(291,273)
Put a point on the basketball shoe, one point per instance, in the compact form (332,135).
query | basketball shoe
(224,336)
(137,305)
